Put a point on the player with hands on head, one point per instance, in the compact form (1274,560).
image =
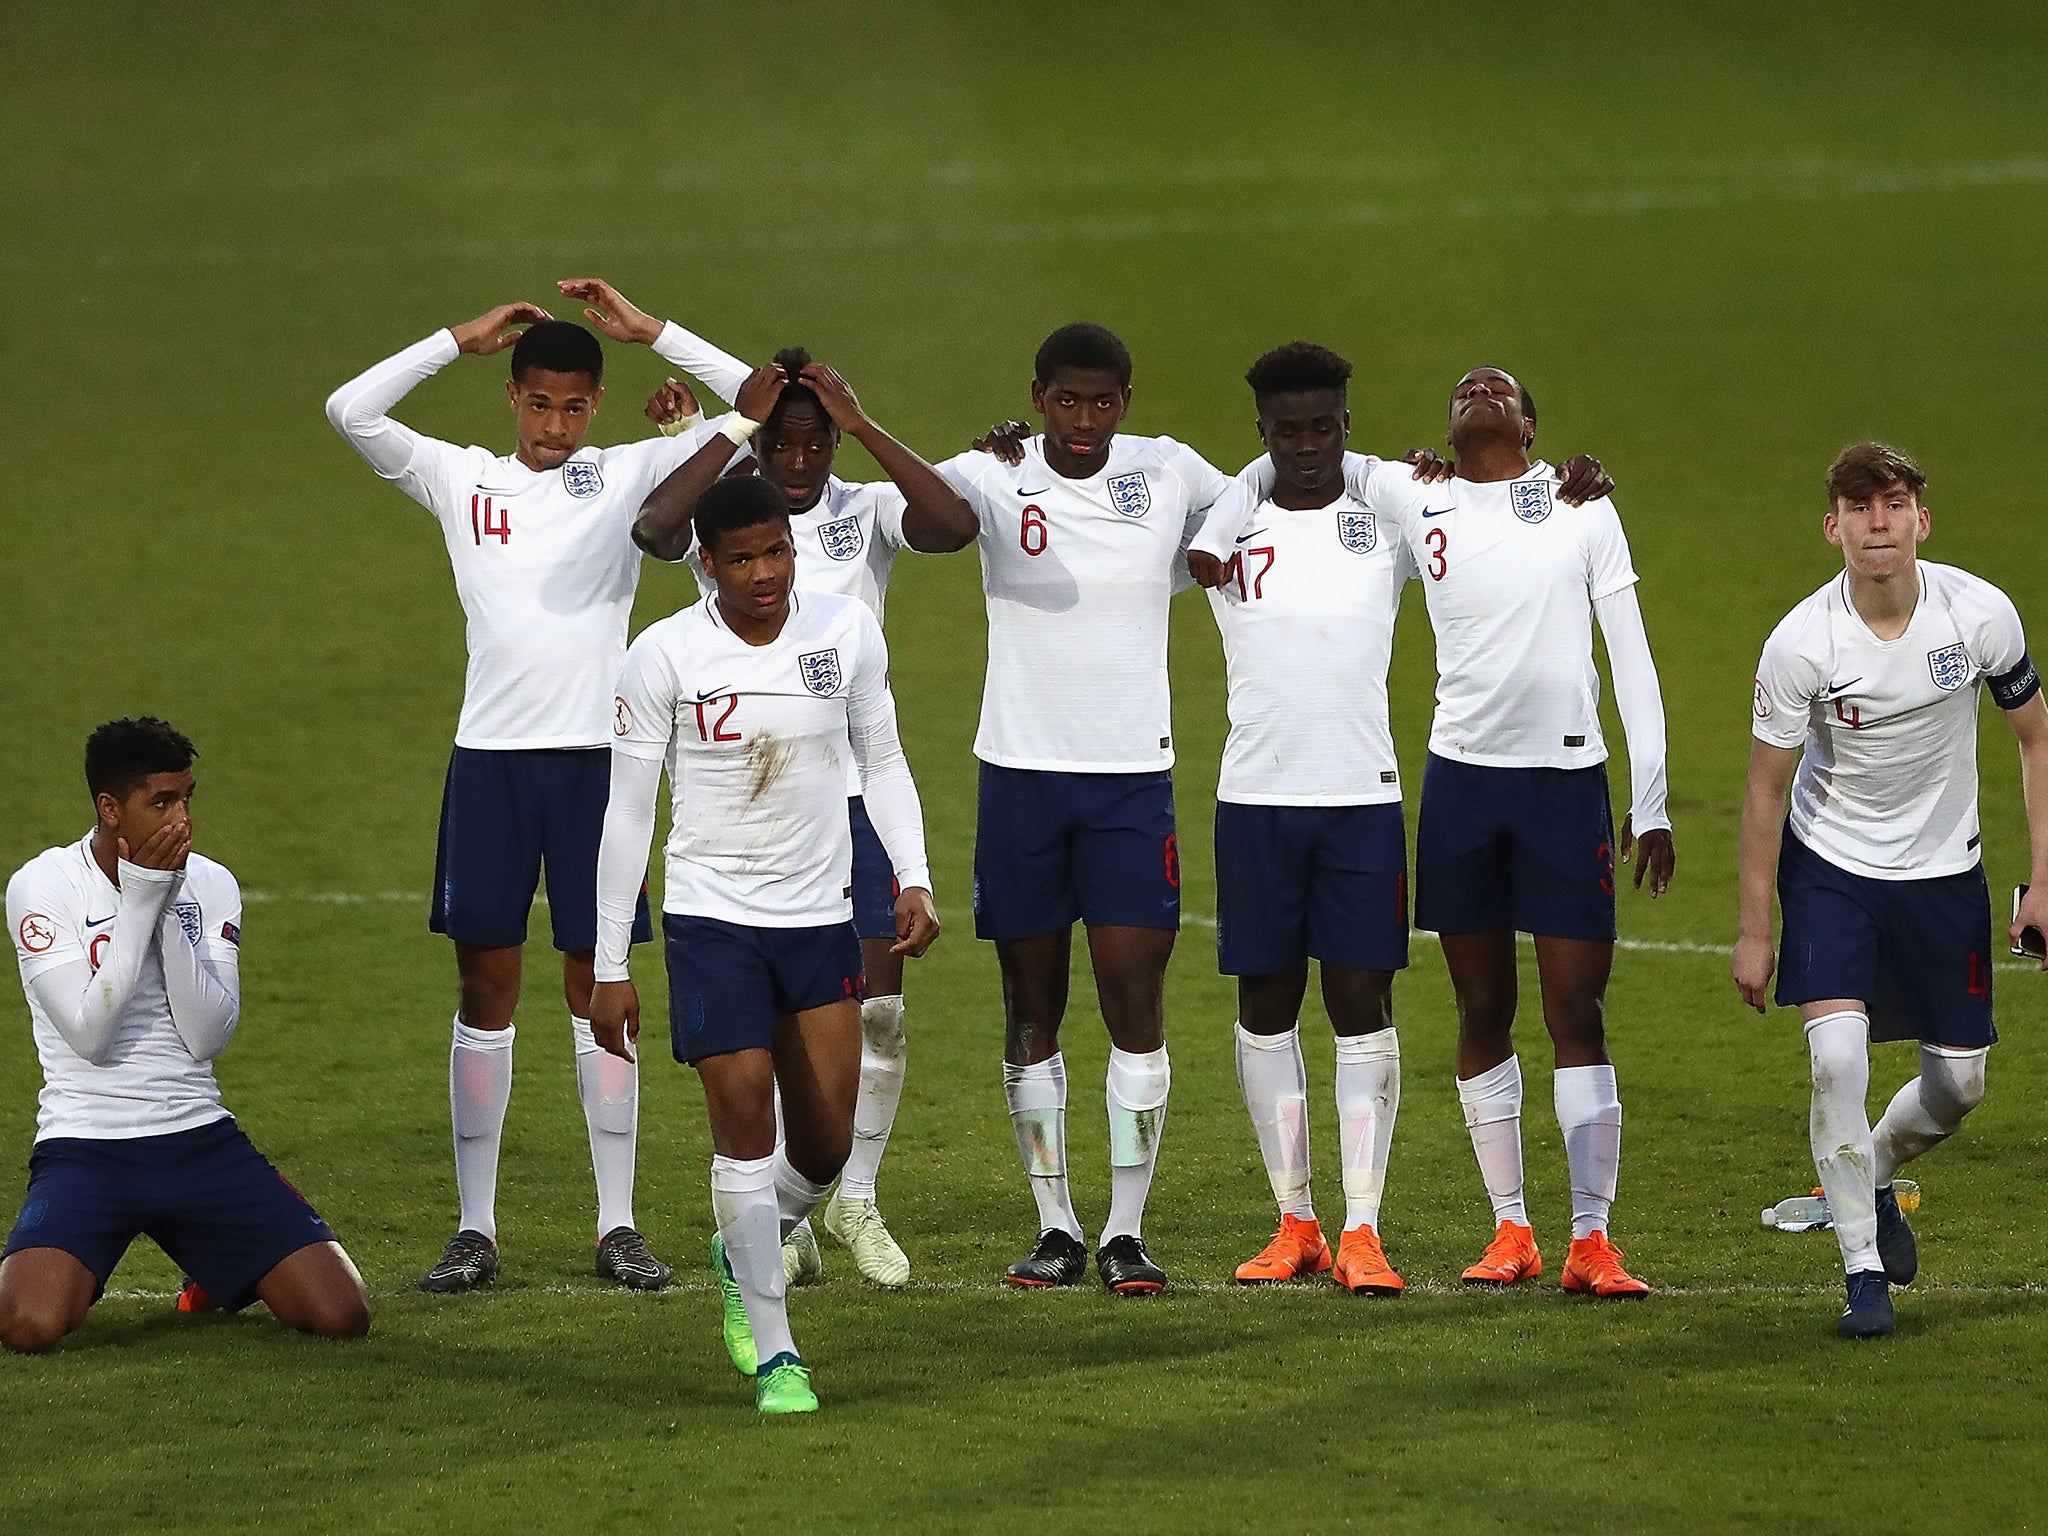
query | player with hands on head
(1866,712)
(129,944)
(792,413)
(540,541)
(756,698)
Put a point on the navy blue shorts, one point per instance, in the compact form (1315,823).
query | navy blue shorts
(874,878)
(729,983)
(1530,849)
(1916,953)
(505,815)
(207,1197)
(1054,847)
(1301,881)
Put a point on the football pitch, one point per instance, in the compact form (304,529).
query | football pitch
(1717,244)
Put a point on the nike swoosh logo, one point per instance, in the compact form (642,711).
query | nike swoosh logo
(1252,535)
(706,698)
(1437,511)
(1835,688)
(1039,492)
(94,922)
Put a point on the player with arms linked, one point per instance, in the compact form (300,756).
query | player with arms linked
(129,946)
(1866,710)
(792,413)
(757,697)
(540,540)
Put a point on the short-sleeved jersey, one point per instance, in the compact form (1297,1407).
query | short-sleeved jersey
(545,567)
(61,909)
(1307,619)
(1887,785)
(1077,576)
(755,739)
(1511,572)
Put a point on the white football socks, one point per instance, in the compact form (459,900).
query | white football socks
(1038,1114)
(1589,1114)
(1492,1102)
(743,1199)
(1136,1089)
(1839,1125)
(795,1196)
(610,1089)
(479,1088)
(884,1053)
(1929,1109)
(1368,1099)
(1274,1082)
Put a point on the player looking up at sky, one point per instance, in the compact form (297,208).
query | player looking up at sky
(1866,709)
(545,567)
(846,534)
(1515,829)
(129,946)
(756,697)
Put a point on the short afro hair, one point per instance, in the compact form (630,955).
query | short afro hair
(1083,346)
(122,754)
(793,361)
(558,346)
(736,502)
(1865,469)
(1298,366)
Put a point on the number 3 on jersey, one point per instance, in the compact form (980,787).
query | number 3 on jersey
(1438,541)
(487,521)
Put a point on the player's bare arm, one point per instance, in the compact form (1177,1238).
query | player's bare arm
(611,311)
(1763,812)
(2030,725)
(936,518)
(663,527)
(496,329)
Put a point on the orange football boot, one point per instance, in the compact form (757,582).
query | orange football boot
(1362,1266)
(191,1298)
(1594,1265)
(1510,1257)
(1297,1248)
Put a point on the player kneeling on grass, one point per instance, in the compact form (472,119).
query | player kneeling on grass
(756,696)
(1868,689)
(128,948)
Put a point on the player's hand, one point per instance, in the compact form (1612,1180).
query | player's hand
(166,848)
(1659,855)
(759,393)
(615,1017)
(1206,569)
(917,923)
(1430,467)
(492,331)
(1005,440)
(611,311)
(1752,965)
(1581,479)
(671,405)
(2033,913)
(836,395)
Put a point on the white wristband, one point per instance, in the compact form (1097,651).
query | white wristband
(682,424)
(732,425)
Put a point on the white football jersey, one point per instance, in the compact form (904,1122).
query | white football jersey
(545,563)
(1307,618)
(1887,786)
(61,908)
(757,746)
(1077,576)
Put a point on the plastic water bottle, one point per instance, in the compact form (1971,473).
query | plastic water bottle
(1801,1213)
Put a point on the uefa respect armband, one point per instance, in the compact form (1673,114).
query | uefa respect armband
(2014,688)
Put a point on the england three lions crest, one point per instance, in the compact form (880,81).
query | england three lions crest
(581,479)
(1950,667)
(841,540)
(820,672)
(1530,500)
(1358,532)
(1129,494)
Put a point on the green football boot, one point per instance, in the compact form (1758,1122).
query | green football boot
(784,1386)
(739,1337)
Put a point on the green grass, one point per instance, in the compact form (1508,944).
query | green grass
(1717,245)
